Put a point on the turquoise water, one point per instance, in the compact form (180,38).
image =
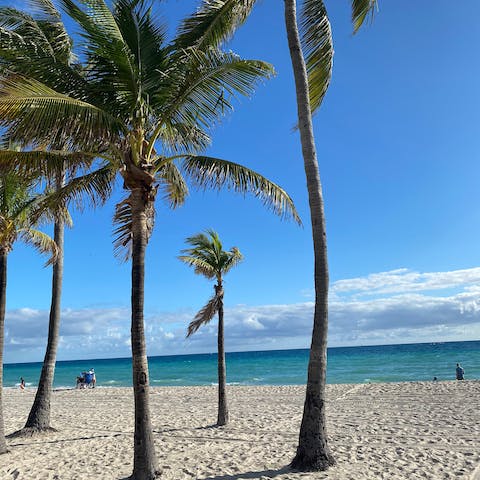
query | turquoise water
(386,363)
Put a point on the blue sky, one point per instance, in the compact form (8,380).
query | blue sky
(398,147)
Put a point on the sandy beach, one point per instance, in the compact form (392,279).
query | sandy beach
(377,431)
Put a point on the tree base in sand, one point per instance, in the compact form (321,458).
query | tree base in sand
(29,432)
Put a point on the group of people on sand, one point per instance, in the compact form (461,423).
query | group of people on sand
(87,379)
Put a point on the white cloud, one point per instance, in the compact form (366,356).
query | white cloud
(405,280)
(435,306)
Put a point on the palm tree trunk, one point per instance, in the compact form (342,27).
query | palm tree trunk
(144,460)
(39,417)
(3,302)
(313,452)
(222,418)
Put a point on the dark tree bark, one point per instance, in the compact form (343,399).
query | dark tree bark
(39,417)
(144,459)
(313,452)
(3,302)
(222,418)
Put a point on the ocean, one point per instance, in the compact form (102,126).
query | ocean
(385,363)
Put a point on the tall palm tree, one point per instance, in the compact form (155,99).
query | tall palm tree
(18,216)
(24,38)
(208,258)
(135,94)
(311,52)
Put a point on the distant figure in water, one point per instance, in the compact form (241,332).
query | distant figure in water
(435,379)
(459,372)
(22,383)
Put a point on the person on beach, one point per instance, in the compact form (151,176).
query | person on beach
(81,380)
(459,372)
(22,383)
(94,378)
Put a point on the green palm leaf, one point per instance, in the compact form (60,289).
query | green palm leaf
(25,25)
(43,163)
(42,114)
(214,173)
(179,137)
(50,21)
(172,184)
(361,9)
(41,242)
(213,23)
(201,89)
(111,63)
(317,44)
(202,266)
(93,188)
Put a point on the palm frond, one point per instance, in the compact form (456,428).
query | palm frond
(41,242)
(214,173)
(204,83)
(23,25)
(204,315)
(172,184)
(214,23)
(46,9)
(145,38)
(97,20)
(201,266)
(178,137)
(231,260)
(361,9)
(50,22)
(92,188)
(111,64)
(43,163)
(42,114)
(317,44)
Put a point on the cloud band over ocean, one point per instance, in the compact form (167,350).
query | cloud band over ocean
(399,306)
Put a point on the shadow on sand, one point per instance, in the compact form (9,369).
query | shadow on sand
(245,475)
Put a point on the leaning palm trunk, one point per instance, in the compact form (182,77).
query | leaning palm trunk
(313,452)
(222,418)
(3,301)
(144,462)
(39,417)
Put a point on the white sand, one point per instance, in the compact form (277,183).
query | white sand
(377,431)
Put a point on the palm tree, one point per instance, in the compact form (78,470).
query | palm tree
(208,258)
(18,215)
(28,38)
(133,95)
(311,58)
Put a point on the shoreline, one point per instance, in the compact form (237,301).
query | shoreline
(398,431)
(60,388)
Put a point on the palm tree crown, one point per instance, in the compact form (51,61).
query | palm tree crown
(208,257)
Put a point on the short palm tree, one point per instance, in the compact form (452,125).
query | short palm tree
(311,52)
(19,214)
(141,107)
(208,258)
